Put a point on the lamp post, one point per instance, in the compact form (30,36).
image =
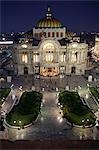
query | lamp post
(83,121)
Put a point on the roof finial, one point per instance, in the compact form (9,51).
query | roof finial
(48,14)
(48,9)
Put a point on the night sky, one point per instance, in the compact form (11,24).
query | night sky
(23,15)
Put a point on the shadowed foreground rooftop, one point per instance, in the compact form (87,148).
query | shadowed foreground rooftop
(50,144)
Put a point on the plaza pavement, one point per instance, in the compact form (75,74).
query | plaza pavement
(47,125)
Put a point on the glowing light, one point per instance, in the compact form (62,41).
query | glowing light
(14,121)
(13,96)
(74,45)
(20,121)
(58,118)
(20,88)
(42,119)
(35,57)
(87,119)
(87,96)
(61,120)
(24,46)
(6,42)
(82,120)
(48,46)
(24,58)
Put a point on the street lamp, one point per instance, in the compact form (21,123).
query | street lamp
(83,122)
(20,121)
(87,96)
(61,120)
(87,119)
(14,121)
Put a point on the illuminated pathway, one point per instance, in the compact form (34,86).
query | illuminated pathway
(50,125)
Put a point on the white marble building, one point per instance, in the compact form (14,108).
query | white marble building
(49,52)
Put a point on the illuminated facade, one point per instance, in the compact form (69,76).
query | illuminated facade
(96,49)
(50,53)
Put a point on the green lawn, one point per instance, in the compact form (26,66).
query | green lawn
(27,110)
(74,110)
(4,93)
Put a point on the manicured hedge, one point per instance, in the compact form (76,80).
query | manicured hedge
(27,109)
(74,110)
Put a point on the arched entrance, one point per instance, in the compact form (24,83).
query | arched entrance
(25,70)
(50,62)
(73,70)
(49,71)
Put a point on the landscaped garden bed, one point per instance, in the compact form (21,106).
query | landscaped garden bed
(3,94)
(74,110)
(95,93)
(27,109)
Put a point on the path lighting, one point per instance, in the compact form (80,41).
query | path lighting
(20,88)
(58,104)
(14,121)
(61,120)
(58,118)
(79,87)
(82,121)
(13,96)
(42,119)
(61,106)
(42,89)
(87,119)
(87,96)
(20,121)
(56,89)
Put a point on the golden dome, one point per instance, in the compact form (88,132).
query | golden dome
(44,23)
(49,21)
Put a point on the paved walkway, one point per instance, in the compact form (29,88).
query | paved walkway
(50,126)
(9,102)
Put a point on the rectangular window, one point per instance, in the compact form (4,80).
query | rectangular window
(40,34)
(24,58)
(57,34)
(48,34)
(61,34)
(36,35)
(35,57)
(63,57)
(53,34)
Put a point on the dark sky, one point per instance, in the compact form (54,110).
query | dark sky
(23,15)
